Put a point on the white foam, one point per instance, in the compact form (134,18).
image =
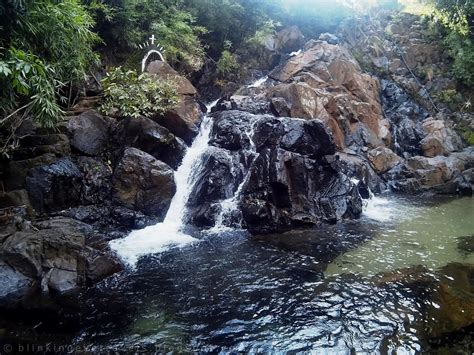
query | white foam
(379,209)
(162,236)
(150,240)
(292,54)
(258,82)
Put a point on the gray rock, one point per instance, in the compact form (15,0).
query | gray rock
(89,132)
(39,267)
(54,187)
(143,183)
(148,136)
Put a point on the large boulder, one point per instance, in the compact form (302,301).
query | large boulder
(150,137)
(383,159)
(440,138)
(182,121)
(288,40)
(143,183)
(89,132)
(279,173)
(440,174)
(42,268)
(287,190)
(56,186)
(163,71)
(324,81)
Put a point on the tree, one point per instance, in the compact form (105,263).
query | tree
(458,18)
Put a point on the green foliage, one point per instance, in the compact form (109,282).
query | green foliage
(263,32)
(227,20)
(61,33)
(466,132)
(457,18)
(462,50)
(227,63)
(179,36)
(48,44)
(25,75)
(127,23)
(130,94)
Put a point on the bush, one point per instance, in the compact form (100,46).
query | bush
(56,43)
(226,63)
(127,93)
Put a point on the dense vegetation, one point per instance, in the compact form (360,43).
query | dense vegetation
(47,47)
(458,19)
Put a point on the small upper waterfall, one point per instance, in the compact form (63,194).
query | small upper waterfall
(230,207)
(157,238)
(258,82)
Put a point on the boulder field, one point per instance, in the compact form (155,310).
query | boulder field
(304,147)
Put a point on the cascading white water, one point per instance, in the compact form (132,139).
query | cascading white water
(230,205)
(293,54)
(258,82)
(379,208)
(157,238)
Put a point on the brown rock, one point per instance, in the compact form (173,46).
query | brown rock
(288,40)
(440,138)
(383,159)
(183,120)
(452,302)
(163,70)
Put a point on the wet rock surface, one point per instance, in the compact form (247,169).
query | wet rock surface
(56,186)
(89,132)
(143,183)
(284,180)
(144,134)
(45,267)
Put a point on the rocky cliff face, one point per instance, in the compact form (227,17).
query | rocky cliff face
(366,85)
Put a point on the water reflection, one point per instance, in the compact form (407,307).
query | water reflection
(290,292)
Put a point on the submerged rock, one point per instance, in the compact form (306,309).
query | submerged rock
(452,302)
(143,183)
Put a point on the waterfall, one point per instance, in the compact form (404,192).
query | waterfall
(293,54)
(378,208)
(157,238)
(258,82)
